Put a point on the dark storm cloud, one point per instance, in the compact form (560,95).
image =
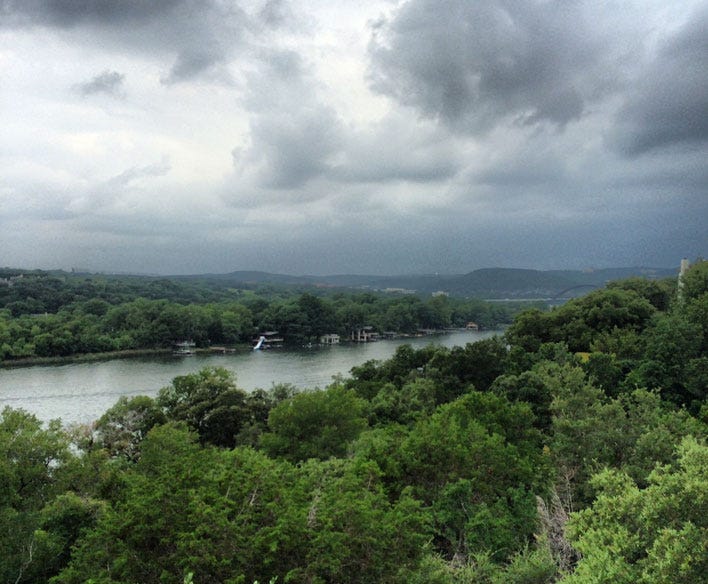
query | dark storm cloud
(68,13)
(519,144)
(669,105)
(198,37)
(474,63)
(108,82)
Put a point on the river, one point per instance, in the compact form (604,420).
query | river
(81,392)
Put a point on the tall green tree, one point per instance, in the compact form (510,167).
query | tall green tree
(209,402)
(314,424)
(31,459)
(122,428)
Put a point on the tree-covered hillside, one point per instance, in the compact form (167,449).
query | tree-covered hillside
(572,450)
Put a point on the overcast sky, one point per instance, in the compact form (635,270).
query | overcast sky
(352,136)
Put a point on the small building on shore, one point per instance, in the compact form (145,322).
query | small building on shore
(268,340)
(329,339)
(426,332)
(364,334)
(472,326)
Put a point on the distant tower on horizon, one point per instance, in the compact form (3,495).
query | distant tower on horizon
(682,270)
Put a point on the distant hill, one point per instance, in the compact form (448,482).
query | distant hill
(609,274)
(483,283)
(249,277)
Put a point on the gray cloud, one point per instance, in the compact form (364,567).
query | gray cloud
(295,146)
(131,175)
(394,150)
(275,13)
(293,134)
(108,82)
(472,64)
(669,104)
(105,194)
(192,63)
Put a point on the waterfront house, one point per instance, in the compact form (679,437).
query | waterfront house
(364,334)
(268,340)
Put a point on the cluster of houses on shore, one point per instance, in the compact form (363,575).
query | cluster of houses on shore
(273,339)
(364,334)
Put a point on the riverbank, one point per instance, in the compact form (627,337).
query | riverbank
(82,358)
(241,348)
(110,355)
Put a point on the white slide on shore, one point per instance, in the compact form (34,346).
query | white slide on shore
(259,344)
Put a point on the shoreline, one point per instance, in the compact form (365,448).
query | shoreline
(92,357)
(216,350)
(81,358)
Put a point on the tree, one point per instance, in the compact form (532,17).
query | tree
(658,292)
(209,402)
(672,343)
(477,463)
(590,432)
(529,330)
(314,424)
(31,459)
(61,523)
(528,387)
(580,322)
(656,534)
(356,535)
(695,280)
(124,426)
(404,405)
(586,430)
(319,316)
(236,324)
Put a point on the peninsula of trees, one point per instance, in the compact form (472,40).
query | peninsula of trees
(45,315)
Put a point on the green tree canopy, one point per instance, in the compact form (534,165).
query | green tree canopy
(656,534)
(209,402)
(315,424)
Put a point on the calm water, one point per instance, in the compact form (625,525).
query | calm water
(81,392)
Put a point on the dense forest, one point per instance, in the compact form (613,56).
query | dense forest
(572,449)
(44,315)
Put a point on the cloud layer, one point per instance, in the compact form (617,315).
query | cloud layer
(180,136)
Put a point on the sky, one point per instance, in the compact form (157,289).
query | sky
(352,136)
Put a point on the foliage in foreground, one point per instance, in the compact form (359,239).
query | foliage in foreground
(656,534)
(524,463)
